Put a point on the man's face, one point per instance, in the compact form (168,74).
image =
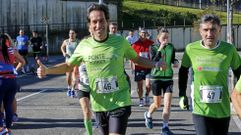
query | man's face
(98,25)
(131,33)
(143,35)
(34,34)
(113,29)
(21,32)
(210,33)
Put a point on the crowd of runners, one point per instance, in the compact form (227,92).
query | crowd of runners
(95,74)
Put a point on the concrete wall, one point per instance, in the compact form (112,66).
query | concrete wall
(28,12)
(181,36)
(62,14)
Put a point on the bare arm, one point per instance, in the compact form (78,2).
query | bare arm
(63,48)
(19,58)
(236,100)
(144,62)
(57,69)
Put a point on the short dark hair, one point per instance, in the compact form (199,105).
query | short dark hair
(210,18)
(35,31)
(3,40)
(113,23)
(98,7)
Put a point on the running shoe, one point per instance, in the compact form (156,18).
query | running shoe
(141,104)
(8,132)
(147,100)
(23,71)
(166,131)
(148,121)
(3,131)
(15,117)
(72,93)
(68,92)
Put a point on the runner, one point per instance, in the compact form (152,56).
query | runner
(113,28)
(8,85)
(37,45)
(142,48)
(210,60)
(162,81)
(104,56)
(131,37)
(83,94)
(67,49)
(22,42)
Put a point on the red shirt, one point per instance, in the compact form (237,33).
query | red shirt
(142,49)
(7,69)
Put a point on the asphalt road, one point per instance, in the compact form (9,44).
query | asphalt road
(44,109)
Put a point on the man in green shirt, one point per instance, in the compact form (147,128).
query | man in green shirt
(210,60)
(104,56)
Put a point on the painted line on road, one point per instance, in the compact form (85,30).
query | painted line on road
(22,98)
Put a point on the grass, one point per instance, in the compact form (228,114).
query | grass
(132,8)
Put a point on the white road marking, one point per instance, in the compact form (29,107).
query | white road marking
(22,98)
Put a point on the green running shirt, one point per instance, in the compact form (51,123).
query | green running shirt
(211,67)
(238,85)
(105,68)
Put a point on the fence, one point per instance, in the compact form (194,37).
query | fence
(57,32)
(201,4)
(180,36)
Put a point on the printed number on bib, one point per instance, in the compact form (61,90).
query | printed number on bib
(143,54)
(107,85)
(84,80)
(211,94)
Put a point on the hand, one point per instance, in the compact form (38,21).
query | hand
(64,54)
(161,65)
(41,71)
(183,103)
(163,44)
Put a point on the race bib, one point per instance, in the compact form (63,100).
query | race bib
(22,43)
(143,54)
(107,85)
(85,80)
(211,94)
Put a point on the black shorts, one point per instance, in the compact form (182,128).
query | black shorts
(141,75)
(211,126)
(157,86)
(128,79)
(81,94)
(114,121)
(23,52)
(36,55)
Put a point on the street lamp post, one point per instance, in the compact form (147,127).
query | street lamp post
(229,21)
(45,20)
(101,2)
(229,33)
